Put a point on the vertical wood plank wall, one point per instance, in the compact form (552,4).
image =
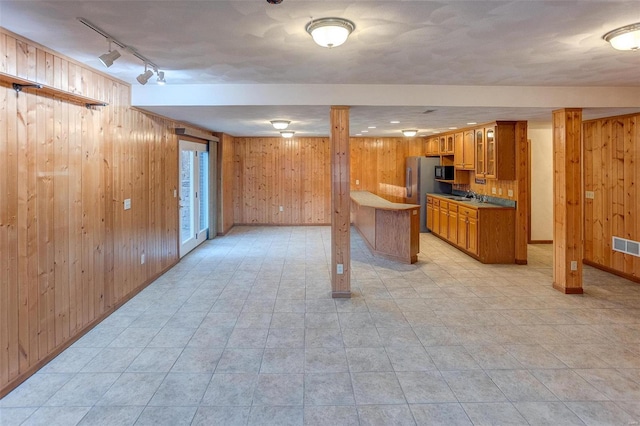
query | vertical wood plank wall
(378,164)
(611,157)
(225,185)
(272,172)
(69,253)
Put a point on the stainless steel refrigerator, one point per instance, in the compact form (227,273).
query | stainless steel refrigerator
(420,179)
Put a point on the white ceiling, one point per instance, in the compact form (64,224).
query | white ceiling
(250,42)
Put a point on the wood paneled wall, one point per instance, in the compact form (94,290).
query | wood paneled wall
(378,165)
(611,158)
(69,252)
(225,184)
(292,173)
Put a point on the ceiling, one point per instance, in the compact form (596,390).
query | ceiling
(401,43)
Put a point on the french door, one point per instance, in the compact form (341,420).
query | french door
(194,195)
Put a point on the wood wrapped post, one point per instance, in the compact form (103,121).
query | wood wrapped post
(340,203)
(522,205)
(567,204)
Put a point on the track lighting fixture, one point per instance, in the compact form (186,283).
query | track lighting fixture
(145,76)
(160,80)
(109,58)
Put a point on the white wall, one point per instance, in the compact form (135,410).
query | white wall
(541,137)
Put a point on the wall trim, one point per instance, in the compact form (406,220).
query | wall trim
(611,271)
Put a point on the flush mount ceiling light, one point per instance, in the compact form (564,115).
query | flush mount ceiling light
(109,58)
(145,76)
(330,32)
(280,124)
(409,133)
(287,134)
(624,38)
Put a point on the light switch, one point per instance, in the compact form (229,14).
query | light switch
(590,195)
(127,204)
(510,193)
(357,181)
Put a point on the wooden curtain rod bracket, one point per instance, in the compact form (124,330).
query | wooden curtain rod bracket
(18,87)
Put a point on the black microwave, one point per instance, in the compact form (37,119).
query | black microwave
(444,172)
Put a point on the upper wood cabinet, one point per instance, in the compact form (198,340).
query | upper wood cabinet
(432,147)
(447,144)
(464,150)
(495,151)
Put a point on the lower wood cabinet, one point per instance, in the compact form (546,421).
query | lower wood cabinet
(486,232)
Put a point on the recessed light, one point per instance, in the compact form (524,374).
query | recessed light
(358,134)
(471,123)
(452,128)
(436,131)
(372,127)
(364,131)
(394,122)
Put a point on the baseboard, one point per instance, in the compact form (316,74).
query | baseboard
(612,271)
(541,242)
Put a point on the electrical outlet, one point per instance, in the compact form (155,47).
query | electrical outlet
(175,193)
(493,190)
(127,204)
(357,182)
(142,259)
(499,191)
(340,269)
(590,195)
(281,208)
(510,193)
(574,265)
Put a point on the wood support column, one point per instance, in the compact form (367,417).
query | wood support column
(522,206)
(340,203)
(567,203)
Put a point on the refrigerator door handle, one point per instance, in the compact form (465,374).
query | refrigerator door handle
(408,183)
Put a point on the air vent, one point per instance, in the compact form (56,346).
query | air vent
(626,246)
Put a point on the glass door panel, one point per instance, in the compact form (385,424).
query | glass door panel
(194,195)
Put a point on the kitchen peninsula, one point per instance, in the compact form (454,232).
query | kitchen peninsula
(391,230)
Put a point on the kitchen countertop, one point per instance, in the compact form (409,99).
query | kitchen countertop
(469,202)
(368,199)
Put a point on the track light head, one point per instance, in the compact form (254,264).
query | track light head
(161,81)
(109,58)
(144,77)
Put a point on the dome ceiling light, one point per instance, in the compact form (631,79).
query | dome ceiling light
(280,124)
(624,38)
(330,32)
(409,133)
(287,134)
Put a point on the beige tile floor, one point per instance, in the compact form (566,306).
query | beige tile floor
(243,331)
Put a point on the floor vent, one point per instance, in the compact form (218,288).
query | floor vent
(626,246)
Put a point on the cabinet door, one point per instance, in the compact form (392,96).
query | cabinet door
(444,219)
(472,236)
(462,229)
(490,152)
(481,170)
(450,144)
(453,224)
(429,213)
(458,151)
(442,149)
(469,150)
(436,217)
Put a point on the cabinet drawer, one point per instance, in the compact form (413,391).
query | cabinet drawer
(453,207)
(436,202)
(466,211)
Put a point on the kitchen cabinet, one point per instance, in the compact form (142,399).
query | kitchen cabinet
(432,147)
(452,232)
(464,150)
(429,213)
(436,216)
(482,230)
(444,219)
(496,151)
(447,144)
(468,229)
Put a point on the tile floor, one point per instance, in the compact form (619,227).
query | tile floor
(243,331)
